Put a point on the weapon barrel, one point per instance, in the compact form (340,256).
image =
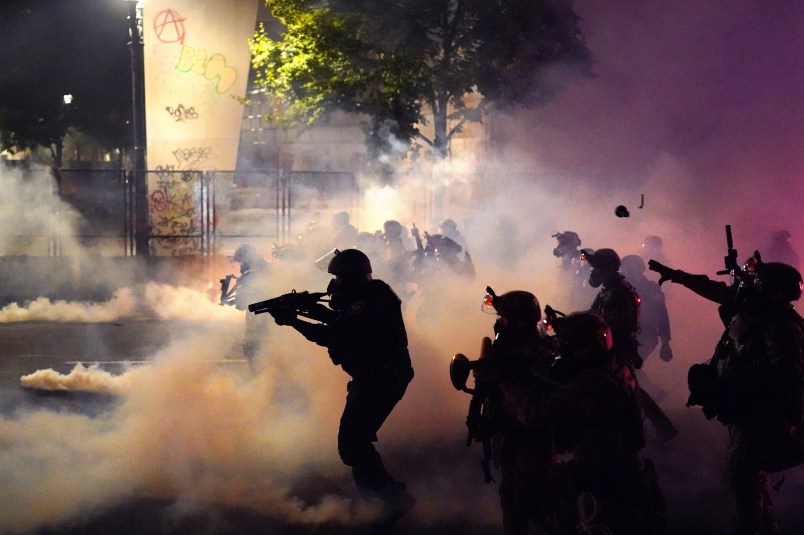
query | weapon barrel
(729,241)
(262,307)
(300,301)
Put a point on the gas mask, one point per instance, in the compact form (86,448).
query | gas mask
(597,277)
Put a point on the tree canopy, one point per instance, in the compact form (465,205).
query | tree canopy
(52,49)
(398,60)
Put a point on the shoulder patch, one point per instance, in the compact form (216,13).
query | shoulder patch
(356,308)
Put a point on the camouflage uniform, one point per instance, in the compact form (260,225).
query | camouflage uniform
(760,375)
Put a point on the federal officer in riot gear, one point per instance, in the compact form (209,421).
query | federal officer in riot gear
(654,321)
(592,410)
(573,271)
(754,382)
(619,304)
(365,335)
(521,352)
(248,287)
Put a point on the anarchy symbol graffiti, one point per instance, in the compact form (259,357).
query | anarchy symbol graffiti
(169,26)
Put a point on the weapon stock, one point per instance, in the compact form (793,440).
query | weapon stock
(478,420)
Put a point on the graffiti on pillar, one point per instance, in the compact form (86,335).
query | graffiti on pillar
(169,26)
(193,157)
(181,113)
(211,67)
(174,204)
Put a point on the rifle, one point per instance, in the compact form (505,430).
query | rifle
(550,316)
(730,260)
(478,420)
(419,254)
(305,304)
(227,295)
(743,277)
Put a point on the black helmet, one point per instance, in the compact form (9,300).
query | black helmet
(568,238)
(583,329)
(349,262)
(448,225)
(392,229)
(773,276)
(518,304)
(245,253)
(603,259)
(632,265)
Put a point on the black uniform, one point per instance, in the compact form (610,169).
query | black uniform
(367,338)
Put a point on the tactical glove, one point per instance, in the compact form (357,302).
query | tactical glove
(666,352)
(284,316)
(665,273)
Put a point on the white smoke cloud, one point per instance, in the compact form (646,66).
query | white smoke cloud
(693,108)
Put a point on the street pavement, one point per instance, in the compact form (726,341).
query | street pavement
(694,484)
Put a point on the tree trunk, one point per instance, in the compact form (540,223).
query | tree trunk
(440,137)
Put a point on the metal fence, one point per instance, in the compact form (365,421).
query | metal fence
(190,212)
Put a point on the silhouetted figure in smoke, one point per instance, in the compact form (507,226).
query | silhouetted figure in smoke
(521,354)
(567,249)
(449,228)
(780,249)
(365,335)
(619,304)
(590,404)
(249,287)
(652,248)
(654,321)
(343,232)
(573,272)
(396,259)
(442,256)
(753,383)
(370,243)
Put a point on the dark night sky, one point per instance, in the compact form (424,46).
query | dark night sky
(715,86)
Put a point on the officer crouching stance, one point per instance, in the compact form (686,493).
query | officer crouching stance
(366,336)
